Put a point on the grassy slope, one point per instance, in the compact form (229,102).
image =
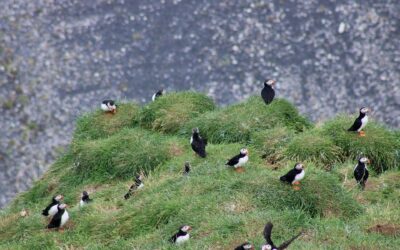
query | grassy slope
(225,208)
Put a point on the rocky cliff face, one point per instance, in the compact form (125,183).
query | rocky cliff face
(59,58)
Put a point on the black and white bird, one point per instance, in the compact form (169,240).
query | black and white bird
(270,244)
(245,246)
(361,171)
(186,168)
(294,176)
(182,235)
(268,92)
(360,122)
(238,161)
(60,218)
(52,208)
(109,106)
(85,199)
(136,186)
(157,94)
(198,143)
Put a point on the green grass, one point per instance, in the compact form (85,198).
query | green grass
(99,124)
(224,208)
(379,144)
(314,146)
(171,111)
(236,123)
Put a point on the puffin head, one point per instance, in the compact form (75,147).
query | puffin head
(269,82)
(266,247)
(140,176)
(364,110)
(185,228)
(299,166)
(59,197)
(62,206)
(244,151)
(84,193)
(364,160)
(195,130)
(187,164)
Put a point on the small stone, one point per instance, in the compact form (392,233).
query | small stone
(342,28)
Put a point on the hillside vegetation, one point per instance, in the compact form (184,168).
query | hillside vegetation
(225,208)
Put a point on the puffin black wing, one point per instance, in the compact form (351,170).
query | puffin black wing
(235,160)
(45,211)
(356,125)
(268,94)
(361,175)
(199,146)
(289,177)
(267,233)
(285,244)
(173,238)
(56,220)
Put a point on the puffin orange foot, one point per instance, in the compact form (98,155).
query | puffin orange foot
(361,133)
(297,188)
(239,169)
(296,183)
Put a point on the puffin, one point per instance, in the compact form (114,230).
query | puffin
(361,171)
(186,168)
(60,218)
(157,94)
(85,199)
(109,106)
(137,185)
(182,235)
(239,160)
(52,209)
(198,143)
(360,122)
(268,92)
(294,176)
(245,246)
(270,245)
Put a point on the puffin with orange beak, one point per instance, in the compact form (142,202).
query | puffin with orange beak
(360,122)
(52,208)
(268,92)
(294,176)
(182,235)
(239,160)
(60,218)
(109,106)
(361,171)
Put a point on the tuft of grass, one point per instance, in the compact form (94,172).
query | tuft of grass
(379,144)
(99,124)
(271,143)
(236,123)
(172,111)
(320,196)
(313,146)
(122,155)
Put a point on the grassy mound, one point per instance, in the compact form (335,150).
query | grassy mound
(271,143)
(320,195)
(170,112)
(379,144)
(225,208)
(98,124)
(122,155)
(313,146)
(236,123)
